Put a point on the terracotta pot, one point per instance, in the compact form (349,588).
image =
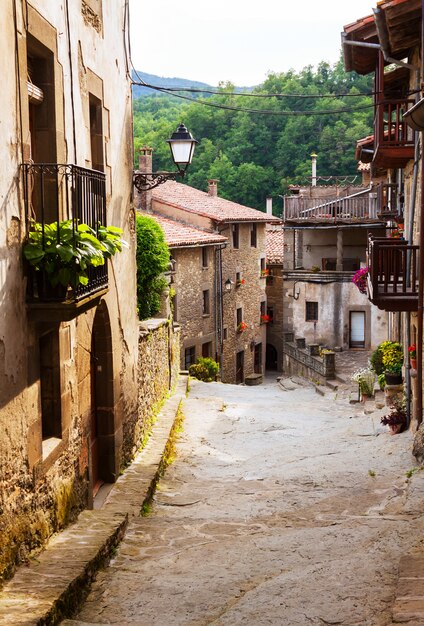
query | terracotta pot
(413,363)
(395,429)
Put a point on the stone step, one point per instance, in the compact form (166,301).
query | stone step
(56,582)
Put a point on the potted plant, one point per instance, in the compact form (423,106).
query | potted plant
(62,252)
(365,378)
(392,361)
(264,319)
(396,419)
(240,282)
(241,327)
(264,273)
(412,351)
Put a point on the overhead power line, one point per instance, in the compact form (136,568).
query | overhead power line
(228,107)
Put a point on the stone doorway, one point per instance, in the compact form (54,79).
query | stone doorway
(102,419)
(271,357)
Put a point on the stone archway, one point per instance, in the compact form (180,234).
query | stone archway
(271,357)
(102,418)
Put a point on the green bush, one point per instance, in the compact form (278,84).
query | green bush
(152,261)
(388,356)
(376,361)
(205,369)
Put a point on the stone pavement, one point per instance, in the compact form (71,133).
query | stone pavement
(54,583)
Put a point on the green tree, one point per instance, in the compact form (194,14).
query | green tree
(152,260)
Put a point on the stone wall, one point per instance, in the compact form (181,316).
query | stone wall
(300,359)
(277,300)
(158,368)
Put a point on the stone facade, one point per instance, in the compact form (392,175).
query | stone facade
(240,263)
(67,387)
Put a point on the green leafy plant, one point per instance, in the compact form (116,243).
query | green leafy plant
(387,357)
(381,381)
(64,251)
(205,369)
(152,261)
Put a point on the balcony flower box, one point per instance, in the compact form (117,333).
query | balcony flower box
(241,327)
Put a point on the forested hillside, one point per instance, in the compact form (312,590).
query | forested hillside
(259,151)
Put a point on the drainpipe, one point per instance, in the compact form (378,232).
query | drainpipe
(421,266)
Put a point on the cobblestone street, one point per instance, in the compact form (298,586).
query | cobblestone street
(282,507)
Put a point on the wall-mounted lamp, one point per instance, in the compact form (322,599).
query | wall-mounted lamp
(296,292)
(182,146)
(228,285)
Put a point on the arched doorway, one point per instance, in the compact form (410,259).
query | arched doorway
(271,357)
(102,417)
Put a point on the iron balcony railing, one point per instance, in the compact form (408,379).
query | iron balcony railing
(55,192)
(393,274)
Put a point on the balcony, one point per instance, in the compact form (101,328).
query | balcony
(393,274)
(53,194)
(361,206)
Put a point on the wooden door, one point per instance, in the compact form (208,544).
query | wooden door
(357,329)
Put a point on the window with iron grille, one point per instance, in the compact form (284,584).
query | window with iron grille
(311,312)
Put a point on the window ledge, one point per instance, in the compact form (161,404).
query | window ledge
(49,446)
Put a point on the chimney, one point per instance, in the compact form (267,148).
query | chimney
(143,199)
(269,205)
(314,169)
(213,187)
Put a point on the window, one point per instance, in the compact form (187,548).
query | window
(253,236)
(235,235)
(239,314)
(206,303)
(311,312)
(225,334)
(263,266)
(263,308)
(51,409)
(205,257)
(270,313)
(96,133)
(207,349)
(189,357)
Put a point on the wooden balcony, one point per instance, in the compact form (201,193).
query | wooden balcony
(56,192)
(358,207)
(393,274)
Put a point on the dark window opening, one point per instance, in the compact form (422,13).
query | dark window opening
(189,357)
(205,257)
(270,313)
(235,231)
(206,303)
(239,314)
(207,349)
(311,312)
(253,236)
(96,133)
(51,409)
(349,265)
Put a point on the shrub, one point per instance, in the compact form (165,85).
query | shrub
(152,261)
(205,369)
(388,356)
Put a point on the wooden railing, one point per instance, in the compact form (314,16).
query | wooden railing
(390,130)
(393,274)
(359,206)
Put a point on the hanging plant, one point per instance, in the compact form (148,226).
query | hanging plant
(360,279)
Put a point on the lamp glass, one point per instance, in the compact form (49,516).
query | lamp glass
(182,144)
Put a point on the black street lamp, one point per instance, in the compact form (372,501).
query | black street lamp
(182,145)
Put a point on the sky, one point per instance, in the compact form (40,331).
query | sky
(240,41)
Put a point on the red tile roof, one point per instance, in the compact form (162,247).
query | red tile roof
(194,201)
(179,235)
(274,246)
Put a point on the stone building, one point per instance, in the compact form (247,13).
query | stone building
(240,273)
(68,362)
(195,297)
(394,152)
(326,230)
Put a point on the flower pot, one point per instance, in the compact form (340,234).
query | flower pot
(413,363)
(393,379)
(395,429)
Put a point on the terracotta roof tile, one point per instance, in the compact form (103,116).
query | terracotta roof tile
(195,201)
(179,235)
(274,246)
